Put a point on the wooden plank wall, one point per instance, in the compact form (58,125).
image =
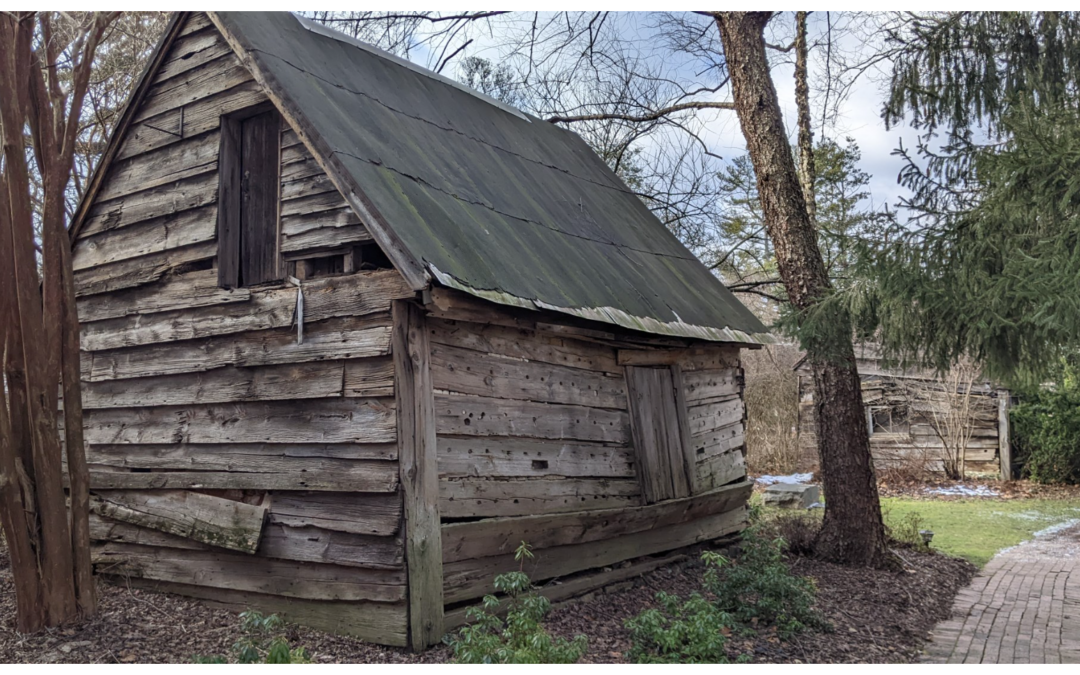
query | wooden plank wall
(534,444)
(920,445)
(192,389)
(528,423)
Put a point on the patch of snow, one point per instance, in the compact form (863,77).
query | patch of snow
(1054,529)
(793,478)
(964,491)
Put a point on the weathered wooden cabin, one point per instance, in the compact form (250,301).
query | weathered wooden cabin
(352,332)
(909,413)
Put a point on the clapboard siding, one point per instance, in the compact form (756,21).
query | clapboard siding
(193,390)
(327,471)
(350,295)
(921,403)
(338,338)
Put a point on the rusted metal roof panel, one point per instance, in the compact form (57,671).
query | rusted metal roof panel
(490,200)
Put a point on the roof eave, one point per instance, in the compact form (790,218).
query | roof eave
(612,315)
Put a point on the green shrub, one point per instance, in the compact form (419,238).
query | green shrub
(1046,430)
(262,642)
(520,638)
(694,631)
(754,591)
(907,529)
(759,588)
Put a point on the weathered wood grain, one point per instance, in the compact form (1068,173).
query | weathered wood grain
(657,433)
(192,51)
(379,477)
(305,544)
(196,21)
(524,344)
(323,238)
(705,418)
(348,295)
(485,416)
(213,77)
(718,440)
(183,159)
(104,530)
(354,420)
(138,271)
(291,381)
(468,579)
(353,511)
(210,520)
(499,457)
(379,622)
(315,184)
(314,544)
(183,195)
(471,372)
(198,117)
(486,497)
(705,385)
(215,569)
(242,458)
(418,458)
(153,236)
(193,289)
(721,469)
(315,202)
(501,536)
(338,338)
(369,377)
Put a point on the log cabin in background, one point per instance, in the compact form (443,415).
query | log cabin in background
(352,332)
(919,419)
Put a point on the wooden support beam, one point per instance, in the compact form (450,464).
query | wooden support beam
(419,474)
(211,520)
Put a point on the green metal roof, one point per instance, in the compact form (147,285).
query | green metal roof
(485,198)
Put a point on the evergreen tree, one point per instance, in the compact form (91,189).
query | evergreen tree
(988,263)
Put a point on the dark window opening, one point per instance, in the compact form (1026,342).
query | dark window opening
(371,257)
(363,258)
(889,420)
(249,166)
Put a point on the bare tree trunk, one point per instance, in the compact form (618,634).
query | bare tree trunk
(16,492)
(38,319)
(807,171)
(853,531)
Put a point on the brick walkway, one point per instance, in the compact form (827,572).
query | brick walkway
(1023,607)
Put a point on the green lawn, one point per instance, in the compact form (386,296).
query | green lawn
(976,529)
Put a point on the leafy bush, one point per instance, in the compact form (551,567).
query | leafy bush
(755,591)
(262,642)
(758,587)
(694,631)
(906,529)
(1046,430)
(520,638)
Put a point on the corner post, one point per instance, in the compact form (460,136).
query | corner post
(419,474)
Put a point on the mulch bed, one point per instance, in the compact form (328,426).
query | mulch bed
(877,617)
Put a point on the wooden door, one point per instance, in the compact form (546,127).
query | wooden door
(661,434)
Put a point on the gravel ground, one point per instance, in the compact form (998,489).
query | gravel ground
(877,617)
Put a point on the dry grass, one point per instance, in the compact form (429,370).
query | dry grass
(772,408)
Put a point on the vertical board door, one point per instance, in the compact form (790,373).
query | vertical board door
(658,434)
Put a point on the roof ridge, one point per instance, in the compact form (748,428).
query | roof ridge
(440,127)
(326,31)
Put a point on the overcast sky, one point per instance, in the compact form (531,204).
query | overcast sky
(859,114)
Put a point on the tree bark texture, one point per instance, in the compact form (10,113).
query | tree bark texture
(807,171)
(853,531)
(39,333)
